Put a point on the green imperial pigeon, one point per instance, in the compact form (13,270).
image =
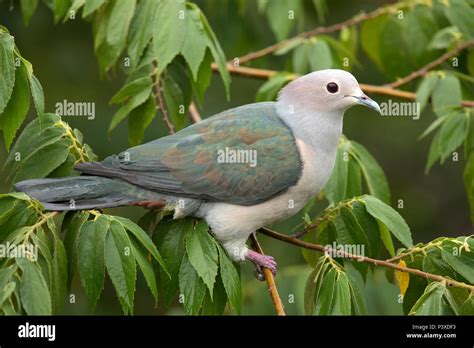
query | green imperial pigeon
(239,170)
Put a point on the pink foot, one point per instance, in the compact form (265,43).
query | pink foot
(262,260)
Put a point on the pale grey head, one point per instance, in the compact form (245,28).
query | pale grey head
(326,91)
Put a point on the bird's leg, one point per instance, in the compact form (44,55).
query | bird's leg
(261,260)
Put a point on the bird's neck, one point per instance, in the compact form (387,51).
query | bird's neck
(320,130)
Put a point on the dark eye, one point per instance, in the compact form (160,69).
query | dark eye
(332,87)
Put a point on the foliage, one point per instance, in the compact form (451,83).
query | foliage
(166,48)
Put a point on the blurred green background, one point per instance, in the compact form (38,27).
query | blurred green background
(434,205)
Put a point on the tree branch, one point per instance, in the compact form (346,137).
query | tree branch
(320,30)
(194,115)
(266,74)
(384,263)
(272,289)
(433,64)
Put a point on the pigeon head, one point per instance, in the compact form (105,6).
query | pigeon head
(325,91)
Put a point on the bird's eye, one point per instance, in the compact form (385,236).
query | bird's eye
(332,87)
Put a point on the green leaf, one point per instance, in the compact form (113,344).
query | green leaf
(470,62)
(6,292)
(195,42)
(336,187)
(389,217)
(141,29)
(461,15)
(204,77)
(60,8)
(146,268)
(431,302)
(131,89)
(370,227)
(269,90)
(59,276)
(354,178)
(169,32)
(120,264)
(433,126)
(28,8)
(217,54)
(452,133)
(91,6)
(139,119)
(191,286)
(325,300)
(320,56)
(44,161)
(278,15)
(230,279)
(38,96)
(202,253)
(31,140)
(444,38)
(372,172)
(216,304)
(371,38)
(135,101)
(91,257)
(7,69)
(142,237)
(426,87)
(170,239)
(446,95)
(461,260)
(313,285)
(34,293)
(469,183)
(434,153)
(71,232)
(119,22)
(17,108)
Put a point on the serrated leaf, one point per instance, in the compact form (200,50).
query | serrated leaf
(91,257)
(146,268)
(120,264)
(131,89)
(38,96)
(230,279)
(191,286)
(446,95)
(389,217)
(135,101)
(169,32)
(142,237)
(34,293)
(195,43)
(430,303)
(425,88)
(17,108)
(170,240)
(269,90)
(459,259)
(336,187)
(90,6)
(119,22)
(139,119)
(7,69)
(44,161)
(202,254)
(469,183)
(59,274)
(141,29)
(452,133)
(71,232)
(373,174)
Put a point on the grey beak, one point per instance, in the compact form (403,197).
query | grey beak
(364,100)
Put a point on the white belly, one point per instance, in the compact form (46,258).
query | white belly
(231,222)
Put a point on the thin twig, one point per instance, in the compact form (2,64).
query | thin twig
(433,64)
(319,30)
(161,106)
(272,289)
(194,115)
(361,258)
(266,74)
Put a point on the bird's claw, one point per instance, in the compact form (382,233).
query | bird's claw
(260,261)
